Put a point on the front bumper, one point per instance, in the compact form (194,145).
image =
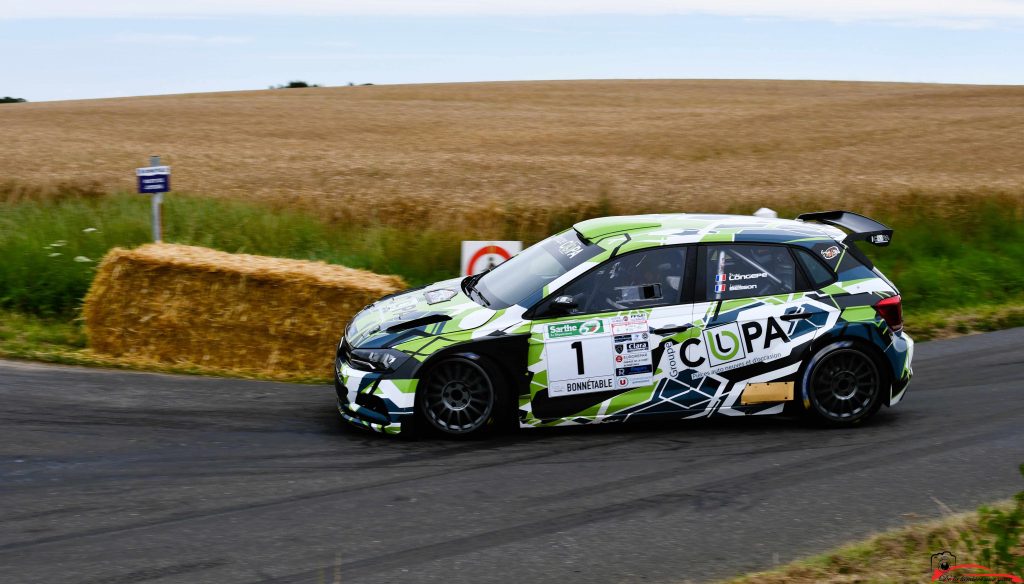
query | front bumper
(372,400)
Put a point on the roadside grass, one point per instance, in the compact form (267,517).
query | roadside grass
(965,251)
(992,537)
(22,335)
(50,340)
(50,247)
(898,556)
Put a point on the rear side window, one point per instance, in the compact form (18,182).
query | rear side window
(817,273)
(745,270)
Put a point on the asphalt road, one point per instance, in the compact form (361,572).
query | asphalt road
(112,477)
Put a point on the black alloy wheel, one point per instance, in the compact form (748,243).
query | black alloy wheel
(845,386)
(459,397)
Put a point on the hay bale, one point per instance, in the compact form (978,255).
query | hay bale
(236,312)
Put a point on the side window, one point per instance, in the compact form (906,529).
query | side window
(642,279)
(745,270)
(819,275)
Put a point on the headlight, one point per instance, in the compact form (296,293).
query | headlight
(380,360)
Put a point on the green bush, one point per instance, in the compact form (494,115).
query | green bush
(999,542)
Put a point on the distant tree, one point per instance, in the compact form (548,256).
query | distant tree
(294,85)
(12,100)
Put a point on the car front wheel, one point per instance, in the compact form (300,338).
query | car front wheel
(459,397)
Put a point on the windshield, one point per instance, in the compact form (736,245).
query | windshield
(529,271)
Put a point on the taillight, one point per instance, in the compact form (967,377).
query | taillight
(891,310)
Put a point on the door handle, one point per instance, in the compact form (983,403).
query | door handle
(671,329)
(796,316)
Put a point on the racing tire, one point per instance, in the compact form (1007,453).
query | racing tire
(843,385)
(460,397)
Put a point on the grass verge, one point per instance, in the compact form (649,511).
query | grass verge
(54,340)
(963,251)
(975,545)
(897,556)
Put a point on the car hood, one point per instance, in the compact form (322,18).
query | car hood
(428,310)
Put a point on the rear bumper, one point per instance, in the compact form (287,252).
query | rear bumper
(903,351)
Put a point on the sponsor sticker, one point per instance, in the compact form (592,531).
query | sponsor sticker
(629,325)
(723,344)
(575,386)
(575,329)
(830,253)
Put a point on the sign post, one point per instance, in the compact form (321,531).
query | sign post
(155,180)
(478,256)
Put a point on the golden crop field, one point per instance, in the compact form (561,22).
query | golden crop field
(428,153)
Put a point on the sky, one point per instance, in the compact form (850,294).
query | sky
(70,49)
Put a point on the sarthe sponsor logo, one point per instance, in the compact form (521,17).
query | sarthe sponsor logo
(575,329)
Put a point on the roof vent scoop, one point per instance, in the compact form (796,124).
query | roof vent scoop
(859,227)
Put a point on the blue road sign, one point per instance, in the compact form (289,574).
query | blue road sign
(154,179)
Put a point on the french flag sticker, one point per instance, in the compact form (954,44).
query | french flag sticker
(721,277)
(719,288)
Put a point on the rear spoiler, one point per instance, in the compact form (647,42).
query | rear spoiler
(859,227)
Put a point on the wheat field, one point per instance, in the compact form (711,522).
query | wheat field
(428,154)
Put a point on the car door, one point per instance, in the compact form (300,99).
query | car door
(755,323)
(596,357)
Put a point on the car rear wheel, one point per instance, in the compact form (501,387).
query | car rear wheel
(459,397)
(843,385)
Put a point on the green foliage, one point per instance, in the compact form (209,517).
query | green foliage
(998,544)
(947,253)
(9,99)
(962,254)
(50,248)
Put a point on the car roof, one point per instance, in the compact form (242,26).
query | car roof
(677,228)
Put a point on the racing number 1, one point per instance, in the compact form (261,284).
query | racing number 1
(578,346)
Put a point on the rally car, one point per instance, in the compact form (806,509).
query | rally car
(637,318)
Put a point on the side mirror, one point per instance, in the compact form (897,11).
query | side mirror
(563,304)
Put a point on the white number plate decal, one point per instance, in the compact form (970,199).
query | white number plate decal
(597,355)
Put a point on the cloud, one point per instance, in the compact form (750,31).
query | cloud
(179,39)
(940,13)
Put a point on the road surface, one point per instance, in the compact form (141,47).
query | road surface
(113,477)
